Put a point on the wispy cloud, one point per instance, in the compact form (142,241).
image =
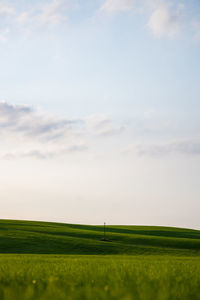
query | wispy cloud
(190,146)
(27,122)
(34,133)
(50,14)
(29,133)
(41,134)
(53,13)
(101,125)
(43,155)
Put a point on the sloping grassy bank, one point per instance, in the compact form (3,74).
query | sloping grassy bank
(57,238)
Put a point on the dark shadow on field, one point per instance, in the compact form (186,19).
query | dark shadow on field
(178,233)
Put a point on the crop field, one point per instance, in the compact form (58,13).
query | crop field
(98,277)
(63,261)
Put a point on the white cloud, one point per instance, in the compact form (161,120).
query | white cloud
(14,19)
(6,9)
(165,20)
(165,17)
(111,6)
(53,13)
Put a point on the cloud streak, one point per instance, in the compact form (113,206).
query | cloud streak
(36,134)
(26,122)
(27,133)
(43,155)
(189,147)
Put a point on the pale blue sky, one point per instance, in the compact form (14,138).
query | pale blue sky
(112,95)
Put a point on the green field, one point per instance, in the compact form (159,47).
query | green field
(41,260)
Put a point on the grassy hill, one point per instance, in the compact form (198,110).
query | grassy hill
(57,238)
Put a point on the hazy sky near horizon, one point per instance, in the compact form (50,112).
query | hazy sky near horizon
(99,111)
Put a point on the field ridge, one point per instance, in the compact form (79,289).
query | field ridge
(35,237)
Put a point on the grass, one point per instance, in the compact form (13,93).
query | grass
(50,261)
(56,238)
(30,277)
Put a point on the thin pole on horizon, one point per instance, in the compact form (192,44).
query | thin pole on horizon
(104,231)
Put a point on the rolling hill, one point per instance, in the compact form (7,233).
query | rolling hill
(57,238)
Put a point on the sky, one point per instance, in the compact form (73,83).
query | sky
(99,111)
